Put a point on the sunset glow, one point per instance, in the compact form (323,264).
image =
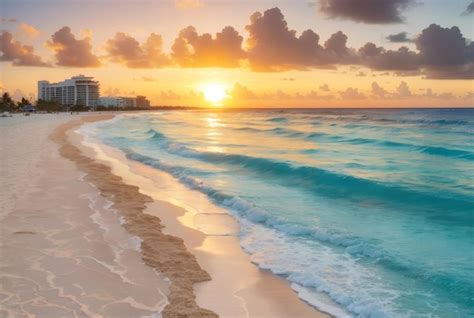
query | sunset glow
(308,53)
(215,94)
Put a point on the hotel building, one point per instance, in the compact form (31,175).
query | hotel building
(124,102)
(78,90)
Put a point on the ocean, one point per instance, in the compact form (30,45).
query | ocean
(369,212)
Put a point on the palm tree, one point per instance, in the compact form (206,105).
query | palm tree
(6,103)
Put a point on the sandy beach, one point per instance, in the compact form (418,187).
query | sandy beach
(86,233)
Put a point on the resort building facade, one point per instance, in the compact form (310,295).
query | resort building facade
(78,90)
(124,102)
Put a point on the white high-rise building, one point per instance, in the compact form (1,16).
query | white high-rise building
(78,90)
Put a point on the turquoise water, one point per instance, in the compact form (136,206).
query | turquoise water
(371,209)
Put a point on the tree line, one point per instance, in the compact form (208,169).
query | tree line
(7,104)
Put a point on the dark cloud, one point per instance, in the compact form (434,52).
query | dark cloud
(401,37)
(193,50)
(7,20)
(70,51)
(273,46)
(469,9)
(18,53)
(366,11)
(336,50)
(445,53)
(378,58)
(125,49)
(442,53)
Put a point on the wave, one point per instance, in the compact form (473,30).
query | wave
(334,185)
(355,246)
(430,150)
(277,130)
(249,211)
(155,135)
(278,119)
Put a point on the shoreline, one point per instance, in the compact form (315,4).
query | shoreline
(236,287)
(165,253)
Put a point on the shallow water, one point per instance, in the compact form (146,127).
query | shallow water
(371,208)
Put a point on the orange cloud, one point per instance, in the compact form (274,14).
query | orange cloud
(125,49)
(193,50)
(29,30)
(70,51)
(17,53)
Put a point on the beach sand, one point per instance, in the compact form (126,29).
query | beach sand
(65,254)
(63,250)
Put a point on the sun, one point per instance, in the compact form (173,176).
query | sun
(214,93)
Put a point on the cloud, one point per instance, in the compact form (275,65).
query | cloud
(170,95)
(469,9)
(445,53)
(336,50)
(442,53)
(17,53)
(378,91)
(70,51)
(111,91)
(146,79)
(29,30)
(429,94)
(7,20)
(401,37)
(469,96)
(188,4)
(273,46)
(125,49)
(366,11)
(241,92)
(403,91)
(325,88)
(351,93)
(380,59)
(193,50)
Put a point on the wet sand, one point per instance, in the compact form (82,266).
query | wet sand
(165,253)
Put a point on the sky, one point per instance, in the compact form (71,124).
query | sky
(291,53)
